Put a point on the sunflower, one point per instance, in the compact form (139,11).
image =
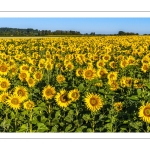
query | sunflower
(31,82)
(113,85)
(21,92)
(102,72)
(13,69)
(99,84)
(138,83)
(144,112)
(79,72)
(62,99)
(106,57)
(118,106)
(4,84)
(48,92)
(3,97)
(145,67)
(131,60)
(14,101)
(4,69)
(112,75)
(48,65)
(24,75)
(60,78)
(24,67)
(100,63)
(69,66)
(29,105)
(112,64)
(38,76)
(93,102)
(32,69)
(89,73)
(74,95)
(123,63)
(126,81)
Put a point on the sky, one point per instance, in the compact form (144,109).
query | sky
(84,25)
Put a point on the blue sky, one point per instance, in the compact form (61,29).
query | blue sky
(84,25)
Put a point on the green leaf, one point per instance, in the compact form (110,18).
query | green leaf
(54,129)
(80,129)
(34,120)
(123,129)
(68,127)
(71,112)
(101,91)
(42,104)
(12,114)
(1,105)
(62,124)
(134,97)
(148,85)
(23,128)
(57,114)
(43,119)
(86,117)
(81,87)
(56,120)
(68,118)
(139,92)
(89,130)
(42,127)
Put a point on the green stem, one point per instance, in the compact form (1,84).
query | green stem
(30,122)
(16,113)
(93,122)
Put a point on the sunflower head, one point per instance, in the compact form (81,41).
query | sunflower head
(4,84)
(74,95)
(60,78)
(62,99)
(89,73)
(93,102)
(38,76)
(118,106)
(14,101)
(48,92)
(144,112)
(28,105)
(22,92)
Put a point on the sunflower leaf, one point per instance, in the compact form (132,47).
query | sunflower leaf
(80,129)
(68,127)
(81,87)
(54,129)
(42,127)
(23,128)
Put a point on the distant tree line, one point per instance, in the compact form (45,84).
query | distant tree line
(4,31)
(127,33)
(34,32)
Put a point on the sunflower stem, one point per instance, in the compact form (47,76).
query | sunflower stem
(30,122)
(93,122)
(112,101)
(16,112)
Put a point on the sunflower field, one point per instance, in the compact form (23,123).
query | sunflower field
(75,84)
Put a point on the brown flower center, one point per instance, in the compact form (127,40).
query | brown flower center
(93,101)
(146,111)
